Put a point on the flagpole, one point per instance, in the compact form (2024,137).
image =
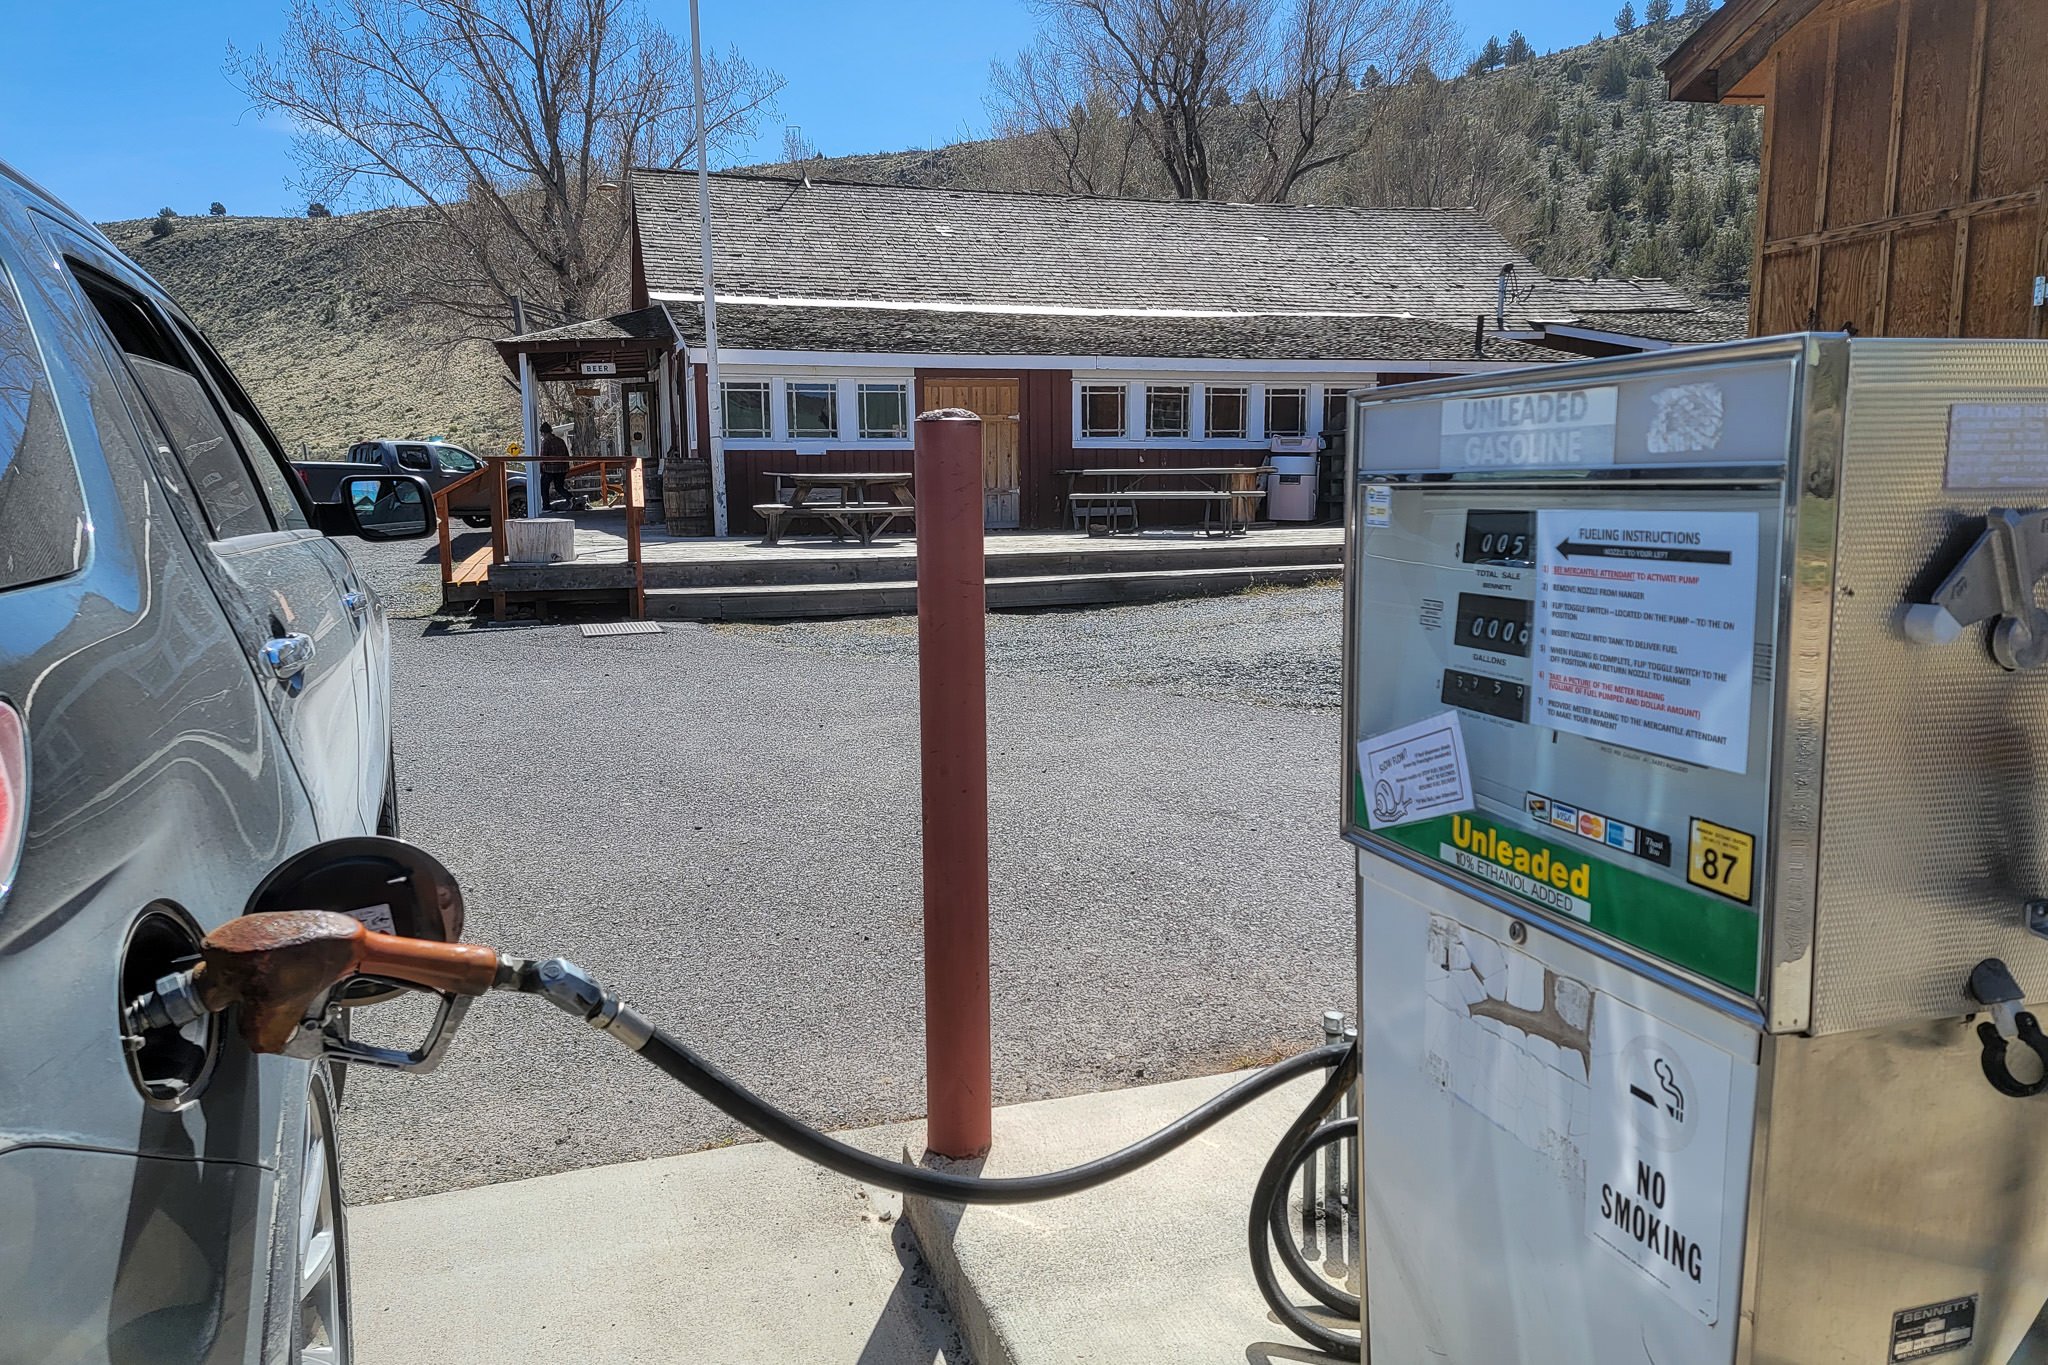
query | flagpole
(714,399)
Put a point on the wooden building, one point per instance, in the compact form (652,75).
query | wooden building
(1904,156)
(1084,331)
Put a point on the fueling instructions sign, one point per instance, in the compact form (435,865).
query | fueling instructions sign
(1645,622)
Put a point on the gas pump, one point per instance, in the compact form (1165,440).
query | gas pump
(1696,730)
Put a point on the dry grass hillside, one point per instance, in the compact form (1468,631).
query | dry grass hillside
(305,312)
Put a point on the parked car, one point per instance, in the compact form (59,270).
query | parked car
(440,463)
(194,685)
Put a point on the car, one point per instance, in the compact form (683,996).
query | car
(194,687)
(440,463)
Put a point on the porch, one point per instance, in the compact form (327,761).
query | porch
(712,579)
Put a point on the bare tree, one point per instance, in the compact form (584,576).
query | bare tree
(1059,105)
(1308,116)
(1169,65)
(510,126)
(1238,98)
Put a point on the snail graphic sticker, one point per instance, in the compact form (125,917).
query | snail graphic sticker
(1416,772)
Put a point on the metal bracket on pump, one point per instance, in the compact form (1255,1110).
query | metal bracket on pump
(1993,986)
(1994,580)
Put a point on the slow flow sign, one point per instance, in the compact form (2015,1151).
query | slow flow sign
(1659,1156)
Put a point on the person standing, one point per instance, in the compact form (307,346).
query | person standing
(554,468)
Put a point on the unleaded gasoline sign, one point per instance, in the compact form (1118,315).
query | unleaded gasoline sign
(1658,1158)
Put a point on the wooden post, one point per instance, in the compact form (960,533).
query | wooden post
(635,501)
(952,706)
(499,502)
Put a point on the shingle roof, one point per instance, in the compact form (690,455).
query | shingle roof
(923,331)
(1681,325)
(1581,293)
(779,238)
(642,324)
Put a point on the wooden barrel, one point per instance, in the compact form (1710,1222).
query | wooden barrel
(540,540)
(686,496)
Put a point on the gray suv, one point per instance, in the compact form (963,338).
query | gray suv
(194,685)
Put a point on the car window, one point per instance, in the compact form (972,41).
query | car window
(257,443)
(199,438)
(42,508)
(414,457)
(459,461)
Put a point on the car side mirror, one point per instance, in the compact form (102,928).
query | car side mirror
(380,507)
(392,887)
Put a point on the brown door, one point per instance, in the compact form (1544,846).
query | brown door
(995,402)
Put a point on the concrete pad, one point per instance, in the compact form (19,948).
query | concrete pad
(1152,1267)
(740,1255)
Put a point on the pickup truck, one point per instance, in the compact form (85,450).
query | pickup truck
(438,462)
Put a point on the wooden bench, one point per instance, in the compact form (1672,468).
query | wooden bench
(1232,507)
(861,520)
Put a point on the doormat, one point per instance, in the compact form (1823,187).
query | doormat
(622,628)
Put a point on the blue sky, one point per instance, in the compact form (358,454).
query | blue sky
(124,108)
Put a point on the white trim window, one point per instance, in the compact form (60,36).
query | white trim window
(1286,410)
(1102,410)
(1228,410)
(744,409)
(813,410)
(883,411)
(1167,411)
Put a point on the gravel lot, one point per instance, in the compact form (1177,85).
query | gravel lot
(721,821)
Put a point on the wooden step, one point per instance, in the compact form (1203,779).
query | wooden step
(833,565)
(779,602)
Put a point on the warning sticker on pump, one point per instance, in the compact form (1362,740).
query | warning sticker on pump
(1722,860)
(1934,1329)
(1379,504)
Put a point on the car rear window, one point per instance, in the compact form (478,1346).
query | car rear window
(199,437)
(42,507)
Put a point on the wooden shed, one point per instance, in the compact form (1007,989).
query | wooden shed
(1904,154)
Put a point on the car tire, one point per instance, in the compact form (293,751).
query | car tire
(320,1325)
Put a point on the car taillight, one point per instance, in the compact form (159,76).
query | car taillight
(13,793)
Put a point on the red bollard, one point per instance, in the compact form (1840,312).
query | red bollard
(952,711)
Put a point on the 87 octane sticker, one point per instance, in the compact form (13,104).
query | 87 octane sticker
(1722,860)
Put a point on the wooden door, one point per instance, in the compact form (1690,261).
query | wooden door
(995,402)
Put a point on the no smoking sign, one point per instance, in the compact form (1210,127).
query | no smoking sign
(1658,1165)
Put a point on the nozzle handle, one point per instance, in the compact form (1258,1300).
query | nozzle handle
(276,964)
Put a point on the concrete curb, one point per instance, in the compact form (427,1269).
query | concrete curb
(1151,1267)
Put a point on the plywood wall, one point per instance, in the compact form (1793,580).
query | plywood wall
(1905,153)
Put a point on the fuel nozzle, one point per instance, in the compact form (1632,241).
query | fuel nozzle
(174,1002)
(282,966)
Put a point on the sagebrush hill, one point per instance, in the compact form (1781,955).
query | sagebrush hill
(1574,154)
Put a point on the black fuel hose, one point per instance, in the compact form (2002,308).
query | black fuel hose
(1268,1229)
(576,991)
(674,1059)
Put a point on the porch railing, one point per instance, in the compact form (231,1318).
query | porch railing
(495,470)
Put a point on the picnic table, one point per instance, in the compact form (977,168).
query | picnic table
(1228,494)
(862,505)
